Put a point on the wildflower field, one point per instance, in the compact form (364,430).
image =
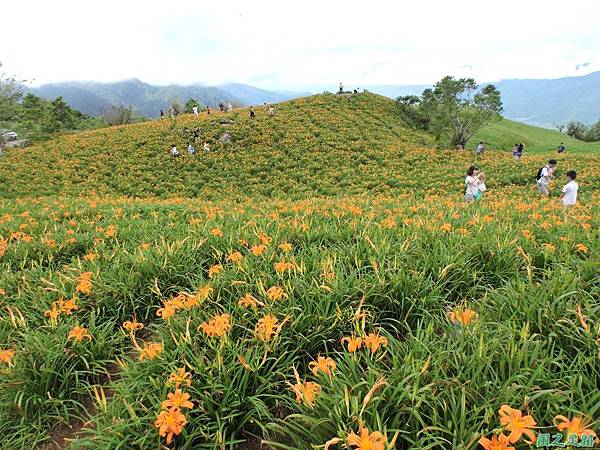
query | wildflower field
(322,286)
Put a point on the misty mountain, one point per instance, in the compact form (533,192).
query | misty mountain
(94,98)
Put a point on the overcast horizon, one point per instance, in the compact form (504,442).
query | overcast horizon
(315,45)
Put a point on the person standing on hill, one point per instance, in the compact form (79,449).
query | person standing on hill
(252,113)
(271,111)
(196,135)
(515,151)
(561,148)
(174,152)
(520,149)
(195,111)
(475,184)
(544,175)
(341,87)
(191,149)
(480,149)
(206,147)
(229,107)
(162,114)
(208,110)
(568,195)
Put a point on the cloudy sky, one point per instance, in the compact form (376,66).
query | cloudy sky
(294,45)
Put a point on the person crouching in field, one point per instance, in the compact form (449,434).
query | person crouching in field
(475,184)
(568,195)
(544,175)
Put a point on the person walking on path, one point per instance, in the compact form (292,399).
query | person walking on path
(568,195)
(544,176)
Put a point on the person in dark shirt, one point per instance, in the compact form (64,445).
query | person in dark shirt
(252,113)
(561,147)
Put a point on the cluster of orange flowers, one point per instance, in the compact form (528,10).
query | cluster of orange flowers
(518,425)
(61,307)
(372,341)
(84,283)
(217,326)
(171,420)
(183,301)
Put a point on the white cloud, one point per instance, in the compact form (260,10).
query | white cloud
(294,44)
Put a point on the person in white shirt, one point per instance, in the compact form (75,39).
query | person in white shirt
(480,149)
(195,110)
(174,152)
(546,174)
(191,149)
(474,184)
(206,147)
(229,107)
(568,196)
(271,111)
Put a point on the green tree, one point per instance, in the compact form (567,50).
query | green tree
(457,108)
(577,130)
(11,92)
(411,111)
(189,105)
(119,115)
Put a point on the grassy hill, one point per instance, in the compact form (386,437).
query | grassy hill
(319,279)
(323,145)
(505,133)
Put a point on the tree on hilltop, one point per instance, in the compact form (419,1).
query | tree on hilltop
(188,107)
(453,110)
(11,92)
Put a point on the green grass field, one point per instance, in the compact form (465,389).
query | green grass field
(318,284)
(504,134)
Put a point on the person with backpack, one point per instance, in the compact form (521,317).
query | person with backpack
(543,177)
(568,195)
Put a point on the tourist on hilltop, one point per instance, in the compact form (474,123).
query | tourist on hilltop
(568,195)
(561,148)
(174,152)
(172,112)
(520,149)
(515,151)
(195,110)
(271,111)
(341,87)
(480,148)
(162,114)
(221,106)
(196,135)
(191,149)
(229,107)
(206,147)
(208,110)
(475,184)
(252,113)
(544,176)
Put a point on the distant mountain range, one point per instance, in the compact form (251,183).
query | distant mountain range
(541,102)
(544,103)
(95,98)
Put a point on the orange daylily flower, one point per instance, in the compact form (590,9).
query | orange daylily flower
(276,293)
(462,316)
(366,440)
(285,247)
(180,377)
(177,399)
(84,283)
(150,351)
(578,426)
(499,442)
(215,270)
(235,257)
(133,325)
(325,365)
(217,326)
(374,341)
(78,334)
(517,424)
(248,301)
(306,392)
(354,343)
(6,356)
(169,423)
(216,232)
